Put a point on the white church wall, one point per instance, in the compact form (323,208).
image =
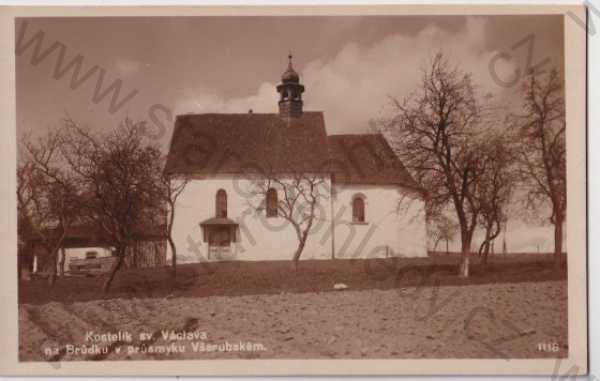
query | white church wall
(389,229)
(260,238)
(394,222)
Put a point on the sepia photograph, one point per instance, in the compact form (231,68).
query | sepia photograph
(298,187)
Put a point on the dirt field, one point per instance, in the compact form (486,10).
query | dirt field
(393,308)
(478,321)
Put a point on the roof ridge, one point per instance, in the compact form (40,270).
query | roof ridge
(353,135)
(241,113)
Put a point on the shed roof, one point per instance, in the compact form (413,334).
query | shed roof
(91,235)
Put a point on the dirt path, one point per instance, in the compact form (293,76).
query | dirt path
(483,321)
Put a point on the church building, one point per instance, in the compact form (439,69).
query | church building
(368,205)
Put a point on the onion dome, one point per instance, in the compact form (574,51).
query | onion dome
(290,75)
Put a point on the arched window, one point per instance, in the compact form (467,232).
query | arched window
(358,209)
(272,203)
(221,204)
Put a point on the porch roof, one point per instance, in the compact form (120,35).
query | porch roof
(214,221)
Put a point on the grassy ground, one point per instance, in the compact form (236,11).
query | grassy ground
(253,278)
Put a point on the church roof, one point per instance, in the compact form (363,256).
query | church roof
(208,144)
(367,159)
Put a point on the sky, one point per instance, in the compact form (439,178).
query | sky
(350,66)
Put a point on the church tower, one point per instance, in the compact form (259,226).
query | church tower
(290,93)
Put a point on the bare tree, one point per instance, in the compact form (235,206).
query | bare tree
(541,152)
(432,131)
(494,186)
(118,173)
(170,190)
(442,228)
(48,200)
(25,230)
(297,201)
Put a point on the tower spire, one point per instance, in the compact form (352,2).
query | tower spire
(290,91)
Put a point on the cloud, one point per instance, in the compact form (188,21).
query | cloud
(354,86)
(127,67)
(265,100)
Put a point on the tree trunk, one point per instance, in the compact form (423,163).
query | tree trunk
(170,239)
(52,275)
(52,267)
(61,264)
(447,251)
(558,244)
(486,251)
(54,257)
(173,257)
(463,271)
(298,253)
(134,254)
(464,263)
(484,248)
(113,271)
